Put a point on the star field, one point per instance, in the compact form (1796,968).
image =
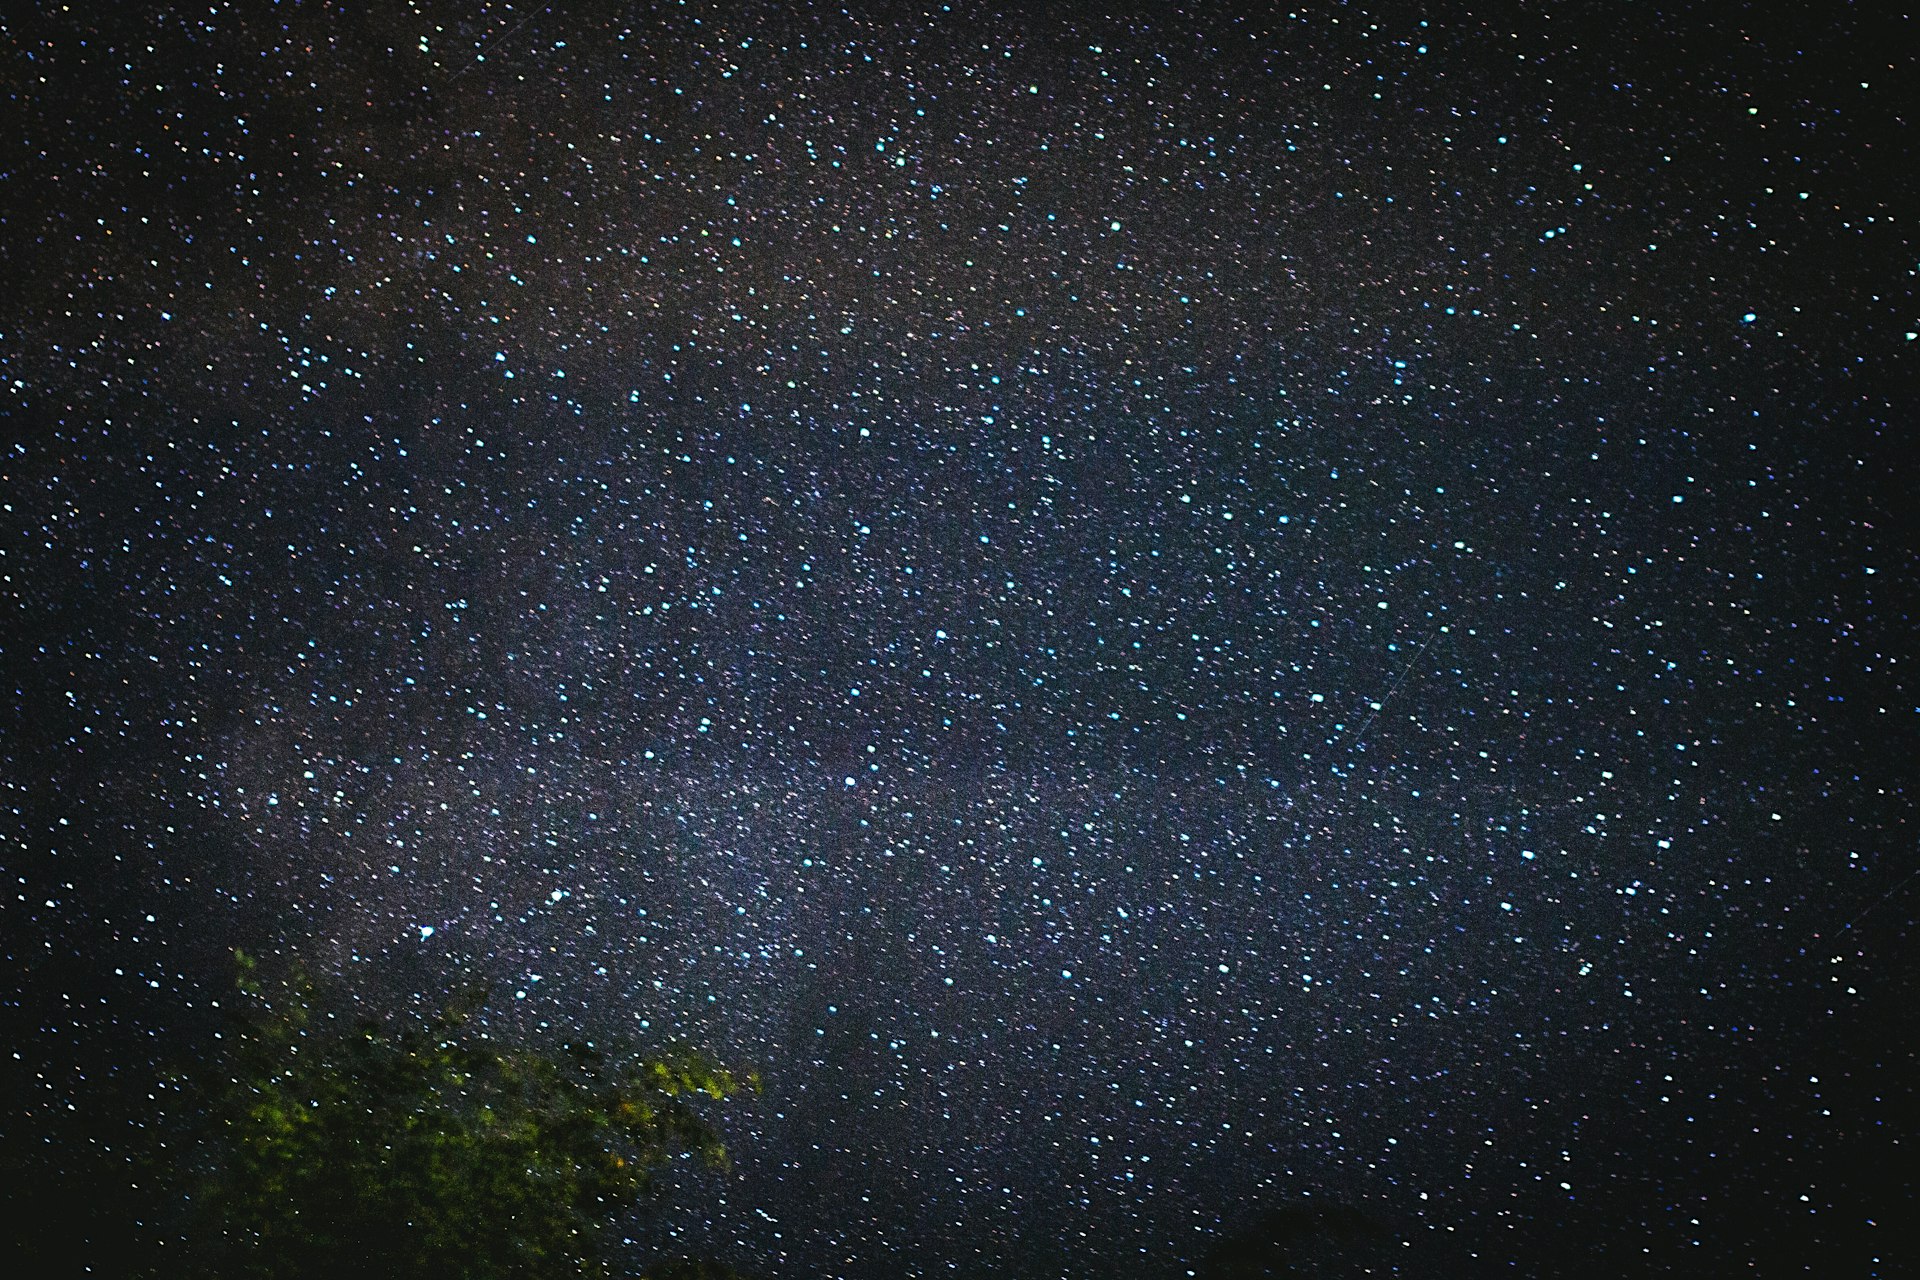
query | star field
(1158,618)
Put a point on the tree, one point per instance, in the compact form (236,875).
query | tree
(370,1149)
(1299,1240)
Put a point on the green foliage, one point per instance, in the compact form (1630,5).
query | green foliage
(370,1150)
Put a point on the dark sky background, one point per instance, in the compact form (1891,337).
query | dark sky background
(1162,618)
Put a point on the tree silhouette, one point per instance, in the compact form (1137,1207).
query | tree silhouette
(368,1149)
(1294,1240)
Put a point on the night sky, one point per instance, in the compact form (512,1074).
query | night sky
(1164,619)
